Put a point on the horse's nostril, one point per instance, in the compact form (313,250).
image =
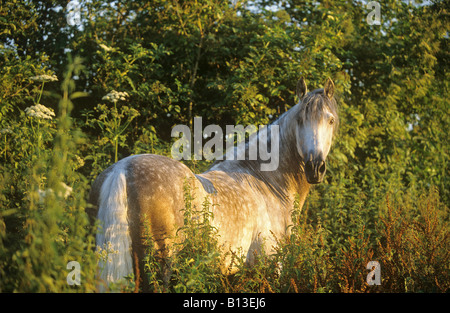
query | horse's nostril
(322,167)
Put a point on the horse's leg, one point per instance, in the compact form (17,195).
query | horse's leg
(147,223)
(155,186)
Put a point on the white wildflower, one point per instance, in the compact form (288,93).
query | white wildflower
(106,48)
(40,111)
(6,130)
(115,96)
(42,194)
(44,78)
(67,191)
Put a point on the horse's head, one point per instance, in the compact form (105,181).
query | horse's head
(317,122)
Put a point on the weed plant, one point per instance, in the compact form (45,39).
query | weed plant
(410,243)
(43,225)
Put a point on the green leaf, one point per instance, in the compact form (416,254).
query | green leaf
(78,94)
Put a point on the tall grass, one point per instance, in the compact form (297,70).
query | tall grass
(410,241)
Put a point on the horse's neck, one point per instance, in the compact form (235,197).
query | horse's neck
(290,172)
(288,178)
(284,183)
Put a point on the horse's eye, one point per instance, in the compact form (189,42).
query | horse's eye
(331,121)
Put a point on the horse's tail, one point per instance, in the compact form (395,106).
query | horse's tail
(114,238)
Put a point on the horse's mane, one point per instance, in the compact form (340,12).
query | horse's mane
(310,106)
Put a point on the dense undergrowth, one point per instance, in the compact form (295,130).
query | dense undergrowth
(409,240)
(44,227)
(139,71)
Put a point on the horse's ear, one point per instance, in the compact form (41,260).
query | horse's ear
(328,88)
(302,89)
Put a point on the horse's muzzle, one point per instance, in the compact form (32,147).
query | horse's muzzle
(315,170)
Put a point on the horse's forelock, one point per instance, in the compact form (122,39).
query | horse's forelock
(313,104)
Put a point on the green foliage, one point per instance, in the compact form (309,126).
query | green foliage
(110,120)
(231,62)
(195,265)
(410,243)
(45,221)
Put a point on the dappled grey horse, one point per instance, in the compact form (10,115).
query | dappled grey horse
(248,203)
